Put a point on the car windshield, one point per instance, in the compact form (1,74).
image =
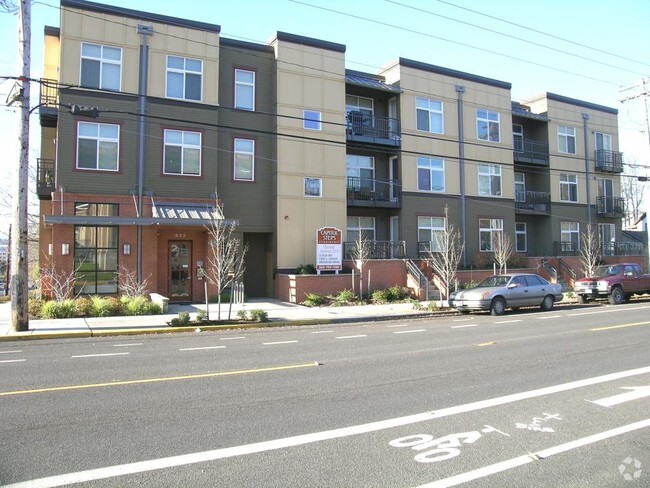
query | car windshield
(494,281)
(603,271)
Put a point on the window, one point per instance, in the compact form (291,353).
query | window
(244,159)
(603,141)
(568,188)
(313,187)
(95,251)
(570,236)
(101,67)
(184,78)
(607,239)
(518,137)
(311,120)
(566,139)
(487,125)
(489,180)
(431,174)
(98,146)
(361,172)
(520,187)
(364,225)
(521,244)
(359,104)
(182,153)
(431,231)
(487,228)
(429,117)
(244,89)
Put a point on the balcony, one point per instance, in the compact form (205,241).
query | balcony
(368,192)
(623,249)
(45,184)
(610,207)
(378,249)
(366,128)
(608,161)
(48,104)
(533,202)
(530,152)
(566,248)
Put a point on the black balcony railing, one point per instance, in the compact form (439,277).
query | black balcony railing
(608,161)
(623,249)
(566,248)
(533,202)
(369,192)
(363,127)
(45,184)
(377,249)
(529,151)
(610,206)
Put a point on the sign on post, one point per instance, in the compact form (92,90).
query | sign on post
(329,249)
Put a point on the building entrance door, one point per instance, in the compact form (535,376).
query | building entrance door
(180,271)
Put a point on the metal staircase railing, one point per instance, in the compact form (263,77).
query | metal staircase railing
(416,274)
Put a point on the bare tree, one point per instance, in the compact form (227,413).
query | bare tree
(226,255)
(57,283)
(589,251)
(129,284)
(502,248)
(361,253)
(632,192)
(445,255)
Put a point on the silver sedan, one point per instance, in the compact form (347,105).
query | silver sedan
(496,293)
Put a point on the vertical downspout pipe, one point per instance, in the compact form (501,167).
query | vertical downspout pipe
(585,118)
(460,89)
(144,31)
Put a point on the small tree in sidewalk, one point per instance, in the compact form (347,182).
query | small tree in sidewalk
(502,249)
(56,282)
(445,255)
(589,251)
(361,253)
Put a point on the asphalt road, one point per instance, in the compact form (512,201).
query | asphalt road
(545,399)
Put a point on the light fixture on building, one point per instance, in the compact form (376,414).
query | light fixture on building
(49,249)
(65,248)
(126,249)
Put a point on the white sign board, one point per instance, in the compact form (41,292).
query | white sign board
(329,249)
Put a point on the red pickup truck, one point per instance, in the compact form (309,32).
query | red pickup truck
(616,282)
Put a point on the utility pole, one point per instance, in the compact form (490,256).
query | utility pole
(19,286)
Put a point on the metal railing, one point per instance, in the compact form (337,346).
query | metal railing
(552,272)
(45,183)
(567,272)
(538,202)
(609,161)
(377,249)
(49,96)
(370,128)
(614,206)
(373,192)
(530,151)
(566,248)
(417,275)
(623,249)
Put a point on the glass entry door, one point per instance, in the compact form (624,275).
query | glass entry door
(180,271)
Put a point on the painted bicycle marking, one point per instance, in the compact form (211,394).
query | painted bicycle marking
(538,424)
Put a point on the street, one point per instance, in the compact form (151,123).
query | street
(530,398)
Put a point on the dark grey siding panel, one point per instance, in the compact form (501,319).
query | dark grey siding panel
(568,213)
(487,208)
(538,234)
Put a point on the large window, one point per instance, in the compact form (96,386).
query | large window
(607,239)
(568,188)
(98,146)
(360,172)
(570,236)
(362,105)
(488,125)
(182,154)
(566,139)
(431,174)
(95,251)
(101,67)
(429,116)
(360,225)
(520,187)
(244,89)
(431,232)
(489,180)
(184,78)
(244,160)
(521,237)
(603,141)
(487,229)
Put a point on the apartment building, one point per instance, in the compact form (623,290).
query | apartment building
(148,120)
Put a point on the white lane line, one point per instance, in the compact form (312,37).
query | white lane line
(10,352)
(528,458)
(508,321)
(133,344)
(13,360)
(463,326)
(546,317)
(322,331)
(202,348)
(408,331)
(463,320)
(232,338)
(228,452)
(278,342)
(101,355)
(351,337)
(607,310)
(398,325)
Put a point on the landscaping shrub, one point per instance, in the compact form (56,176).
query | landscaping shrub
(242,315)
(305,269)
(259,315)
(59,310)
(201,316)
(346,297)
(135,305)
(397,293)
(102,307)
(153,308)
(313,300)
(182,320)
(84,306)
(34,305)
(380,296)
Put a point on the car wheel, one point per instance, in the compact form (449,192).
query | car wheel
(582,299)
(498,306)
(616,297)
(547,303)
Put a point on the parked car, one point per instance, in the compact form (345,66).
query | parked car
(616,282)
(496,293)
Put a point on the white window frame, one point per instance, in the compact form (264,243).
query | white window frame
(427,163)
(239,152)
(606,141)
(489,118)
(518,135)
(102,61)
(567,182)
(435,226)
(184,145)
(309,184)
(353,104)
(521,230)
(520,187)
(357,226)
(488,227)
(244,84)
(564,133)
(489,171)
(434,109)
(184,72)
(605,246)
(100,140)
(570,232)
(313,118)
(353,169)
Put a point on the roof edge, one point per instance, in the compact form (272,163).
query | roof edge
(308,41)
(48,30)
(581,103)
(454,73)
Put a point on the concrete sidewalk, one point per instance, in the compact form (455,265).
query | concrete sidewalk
(279,313)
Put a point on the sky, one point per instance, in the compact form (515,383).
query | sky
(597,50)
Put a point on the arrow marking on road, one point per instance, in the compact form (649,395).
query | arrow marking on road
(635,393)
